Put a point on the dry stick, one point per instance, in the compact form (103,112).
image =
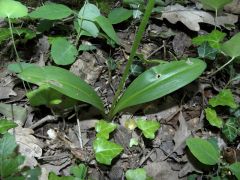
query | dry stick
(136,43)
(79,134)
(48,118)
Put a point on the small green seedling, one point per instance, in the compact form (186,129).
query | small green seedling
(208,153)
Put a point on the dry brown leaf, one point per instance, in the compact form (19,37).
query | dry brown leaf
(191,17)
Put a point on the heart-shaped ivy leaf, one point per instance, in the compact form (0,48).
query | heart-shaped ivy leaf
(104,128)
(105,150)
(148,127)
(12,9)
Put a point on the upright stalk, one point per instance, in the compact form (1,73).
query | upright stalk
(135,45)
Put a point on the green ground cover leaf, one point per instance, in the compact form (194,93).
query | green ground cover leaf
(15,67)
(79,171)
(89,27)
(231,129)
(159,81)
(5,125)
(63,52)
(206,51)
(107,27)
(12,9)
(63,81)
(235,168)
(51,11)
(89,12)
(9,160)
(104,128)
(215,4)
(231,47)
(105,150)
(212,118)
(203,150)
(224,98)
(119,15)
(136,174)
(53,176)
(148,127)
(214,38)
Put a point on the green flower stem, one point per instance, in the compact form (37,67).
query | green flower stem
(135,45)
(223,66)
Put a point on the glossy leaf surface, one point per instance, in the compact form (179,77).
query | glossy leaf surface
(12,9)
(212,118)
(105,150)
(104,128)
(63,52)
(5,125)
(224,98)
(231,47)
(148,127)
(63,81)
(203,150)
(51,11)
(206,51)
(159,81)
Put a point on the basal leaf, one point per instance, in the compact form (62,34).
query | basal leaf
(104,128)
(5,125)
(63,52)
(12,9)
(159,81)
(148,127)
(17,67)
(89,27)
(215,4)
(203,150)
(136,174)
(235,168)
(51,11)
(231,129)
(89,12)
(231,47)
(224,98)
(212,118)
(107,28)
(9,161)
(214,38)
(119,15)
(63,81)
(206,51)
(105,150)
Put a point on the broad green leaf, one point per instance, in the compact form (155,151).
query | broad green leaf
(159,81)
(212,118)
(5,125)
(104,128)
(235,168)
(18,113)
(206,51)
(148,127)
(79,171)
(231,47)
(32,174)
(89,27)
(107,28)
(9,161)
(119,15)
(53,176)
(215,4)
(63,52)
(12,9)
(89,12)
(63,81)
(136,174)
(105,150)
(51,11)
(231,129)
(16,67)
(224,98)
(203,150)
(214,38)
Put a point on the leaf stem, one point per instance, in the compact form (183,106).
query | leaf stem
(135,45)
(223,66)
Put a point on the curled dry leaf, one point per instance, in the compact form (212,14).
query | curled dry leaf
(191,17)
(29,146)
